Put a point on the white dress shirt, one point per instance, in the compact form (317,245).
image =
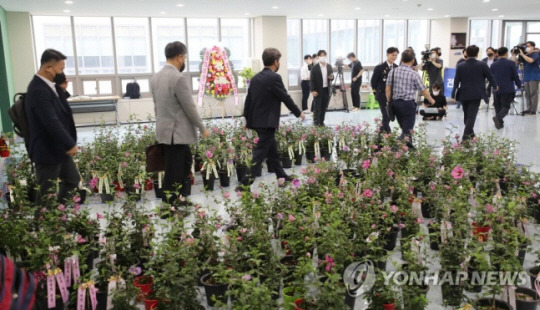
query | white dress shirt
(324,73)
(304,72)
(51,84)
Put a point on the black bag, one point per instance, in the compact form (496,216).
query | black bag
(133,90)
(155,158)
(18,117)
(389,107)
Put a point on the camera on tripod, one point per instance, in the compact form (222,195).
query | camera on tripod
(339,64)
(517,48)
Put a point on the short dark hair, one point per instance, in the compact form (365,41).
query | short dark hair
(472,51)
(407,56)
(351,55)
(51,55)
(491,48)
(437,85)
(464,50)
(307,57)
(502,51)
(314,56)
(531,43)
(391,50)
(174,49)
(270,55)
(321,52)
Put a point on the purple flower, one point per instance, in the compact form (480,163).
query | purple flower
(280,216)
(255,195)
(134,270)
(296,183)
(246,277)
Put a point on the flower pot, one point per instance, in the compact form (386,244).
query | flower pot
(434,239)
(427,210)
(486,302)
(82,195)
(217,290)
(310,156)
(132,193)
(289,298)
(290,263)
(105,198)
(148,185)
(471,286)
(391,239)
(89,261)
(298,159)
(101,297)
(389,306)
(481,232)
(452,294)
(521,253)
(42,304)
(241,172)
(186,187)
(144,290)
(208,183)
(158,191)
(269,167)
(224,179)
(526,299)
(533,274)
(150,304)
(286,162)
(325,153)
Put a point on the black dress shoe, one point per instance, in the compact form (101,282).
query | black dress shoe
(525,112)
(497,122)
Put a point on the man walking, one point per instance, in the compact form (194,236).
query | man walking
(53,138)
(262,112)
(506,75)
(378,84)
(356,76)
(321,77)
(470,88)
(401,87)
(176,118)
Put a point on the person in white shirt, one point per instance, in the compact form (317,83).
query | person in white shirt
(304,75)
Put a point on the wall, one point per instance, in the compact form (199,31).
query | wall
(6,78)
(458,25)
(271,31)
(21,43)
(441,31)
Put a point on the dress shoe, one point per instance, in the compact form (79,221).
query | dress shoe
(525,112)
(497,122)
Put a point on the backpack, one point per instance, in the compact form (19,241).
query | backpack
(133,90)
(17,287)
(17,113)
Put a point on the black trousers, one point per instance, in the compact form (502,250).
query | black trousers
(305,94)
(48,174)
(502,103)
(385,126)
(267,149)
(355,93)
(405,112)
(470,110)
(320,104)
(440,114)
(178,160)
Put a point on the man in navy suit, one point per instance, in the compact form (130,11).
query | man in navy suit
(262,111)
(378,84)
(470,81)
(53,138)
(506,75)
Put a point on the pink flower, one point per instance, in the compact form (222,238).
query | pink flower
(311,180)
(99,216)
(419,220)
(246,277)
(93,183)
(239,239)
(317,170)
(341,195)
(373,226)
(368,193)
(296,183)
(458,172)
(291,218)
(209,154)
(365,164)
(124,164)
(62,208)
(255,195)
(304,170)
(137,186)
(489,209)
(76,199)
(280,216)
(394,208)
(345,148)
(134,270)
(390,173)
(256,140)
(401,225)
(127,154)
(76,208)
(496,152)
(243,230)
(201,214)
(281,181)
(375,147)
(239,194)
(226,195)
(329,263)
(80,239)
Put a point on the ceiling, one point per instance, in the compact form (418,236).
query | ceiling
(362,9)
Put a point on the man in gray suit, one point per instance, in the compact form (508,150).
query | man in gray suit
(177,118)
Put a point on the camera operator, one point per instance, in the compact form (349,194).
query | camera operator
(356,79)
(530,60)
(433,66)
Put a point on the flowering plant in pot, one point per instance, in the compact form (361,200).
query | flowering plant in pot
(104,164)
(247,290)
(382,295)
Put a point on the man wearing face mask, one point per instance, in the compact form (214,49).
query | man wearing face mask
(321,77)
(177,119)
(262,111)
(530,60)
(53,138)
(304,75)
(434,67)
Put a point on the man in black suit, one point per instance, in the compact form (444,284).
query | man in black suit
(53,138)
(321,80)
(470,81)
(378,84)
(262,113)
(506,75)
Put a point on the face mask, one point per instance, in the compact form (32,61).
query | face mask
(528,50)
(59,78)
(322,59)
(436,92)
(490,54)
(183,67)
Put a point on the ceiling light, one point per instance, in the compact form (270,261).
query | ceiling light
(430,9)
(447,15)
(67,11)
(275,7)
(357,8)
(486,1)
(68,2)
(386,15)
(162,13)
(247,14)
(179,5)
(501,15)
(495,10)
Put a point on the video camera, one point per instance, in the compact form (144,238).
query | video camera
(517,48)
(426,54)
(339,64)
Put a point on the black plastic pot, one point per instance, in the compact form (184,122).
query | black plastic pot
(42,304)
(208,183)
(158,191)
(224,179)
(107,198)
(82,195)
(186,188)
(427,210)
(258,171)
(286,162)
(241,172)
(499,304)
(325,153)
(310,156)
(471,286)
(131,193)
(391,239)
(521,253)
(298,159)
(217,290)
(101,297)
(290,264)
(533,274)
(524,304)
(452,294)
(433,241)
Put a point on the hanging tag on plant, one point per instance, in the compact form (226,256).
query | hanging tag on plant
(93,298)
(100,185)
(51,290)
(76,270)
(81,298)
(160,177)
(62,285)
(67,272)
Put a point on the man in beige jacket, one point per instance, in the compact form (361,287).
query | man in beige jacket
(177,119)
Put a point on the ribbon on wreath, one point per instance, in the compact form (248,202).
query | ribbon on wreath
(114,283)
(317,147)
(81,295)
(71,266)
(301,147)
(160,177)
(204,73)
(230,75)
(290,150)
(58,275)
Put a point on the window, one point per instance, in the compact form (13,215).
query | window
(478,35)
(315,35)
(418,36)
(533,27)
(132,45)
(164,31)
(54,32)
(235,37)
(369,42)
(496,34)
(394,35)
(341,38)
(294,56)
(93,37)
(105,87)
(202,33)
(513,34)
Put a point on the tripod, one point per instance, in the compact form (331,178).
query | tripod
(341,88)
